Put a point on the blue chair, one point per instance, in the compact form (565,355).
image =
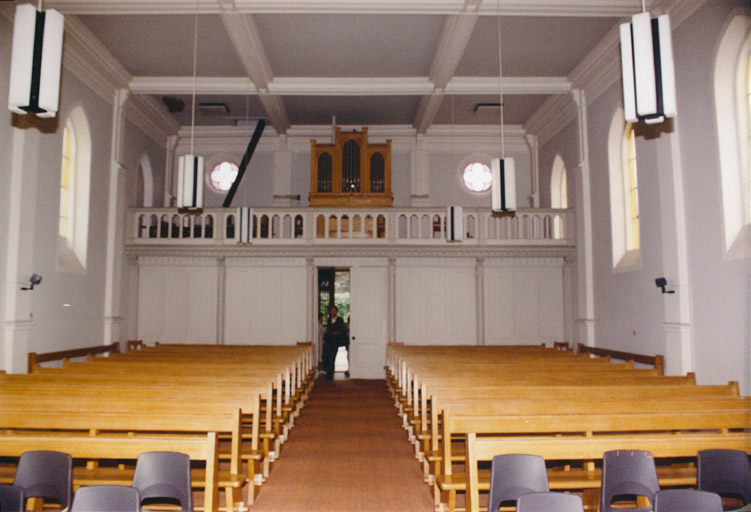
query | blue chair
(725,472)
(628,473)
(47,475)
(164,477)
(512,475)
(11,498)
(106,498)
(686,500)
(549,502)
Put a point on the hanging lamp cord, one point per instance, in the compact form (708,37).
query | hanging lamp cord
(500,81)
(195,60)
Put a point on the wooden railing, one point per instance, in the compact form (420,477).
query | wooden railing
(657,361)
(301,226)
(34,359)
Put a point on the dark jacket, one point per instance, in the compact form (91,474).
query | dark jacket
(336,334)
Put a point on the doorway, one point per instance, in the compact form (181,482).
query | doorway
(333,290)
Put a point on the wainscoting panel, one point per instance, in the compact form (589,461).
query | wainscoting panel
(265,304)
(435,302)
(177,301)
(523,301)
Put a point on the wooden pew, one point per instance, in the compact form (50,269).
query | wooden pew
(666,445)
(450,395)
(204,378)
(659,416)
(197,447)
(34,359)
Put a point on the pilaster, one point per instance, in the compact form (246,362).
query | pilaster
(17,315)
(282,173)
(420,174)
(392,300)
(584,245)
(115,250)
(221,287)
(480,299)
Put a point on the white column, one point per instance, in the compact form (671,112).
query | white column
(282,172)
(584,248)
(392,300)
(534,149)
(115,218)
(221,295)
(420,173)
(480,300)
(170,193)
(17,304)
(312,303)
(678,325)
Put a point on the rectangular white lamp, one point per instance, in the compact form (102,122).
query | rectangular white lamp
(503,187)
(190,182)
(647,66)
(454,224)
(244,225)
(36,60)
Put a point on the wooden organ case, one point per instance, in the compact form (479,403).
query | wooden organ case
(350,172)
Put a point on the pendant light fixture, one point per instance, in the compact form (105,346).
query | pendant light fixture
(190,167)
(647,65)
(36,61)
(503,187)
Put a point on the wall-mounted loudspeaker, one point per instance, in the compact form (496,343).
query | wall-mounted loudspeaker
(190,182)
(244,223)
(648,75)
(503,187)
(35,61)
(454,224)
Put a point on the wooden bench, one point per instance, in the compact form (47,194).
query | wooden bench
(647,416)
(119,395)
(534,400)
(34,359)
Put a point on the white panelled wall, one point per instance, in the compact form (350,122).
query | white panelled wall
(435,302)
(265,301)
(523,301)
(251,300)
(178,299)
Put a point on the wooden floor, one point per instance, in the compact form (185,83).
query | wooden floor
(347,452)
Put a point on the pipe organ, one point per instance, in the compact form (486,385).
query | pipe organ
(350,172)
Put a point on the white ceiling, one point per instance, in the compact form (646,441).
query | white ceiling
(392,62)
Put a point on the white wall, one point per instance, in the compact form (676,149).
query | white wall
(266,301)
(630,312)
(719,286)
(565,143)
(177,300)
(628,306)
(523,301)
(5,171)
(436,301)
(80,323)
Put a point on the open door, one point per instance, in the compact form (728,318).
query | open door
(368,322)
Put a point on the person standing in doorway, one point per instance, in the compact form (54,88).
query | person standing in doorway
(334,337)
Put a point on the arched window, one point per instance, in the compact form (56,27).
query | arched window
(75,172)
(624,192)
(632,184)
(558,184)
(732,90)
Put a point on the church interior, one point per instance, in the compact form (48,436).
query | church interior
(345,154)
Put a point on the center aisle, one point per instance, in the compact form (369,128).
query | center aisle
(347,452)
